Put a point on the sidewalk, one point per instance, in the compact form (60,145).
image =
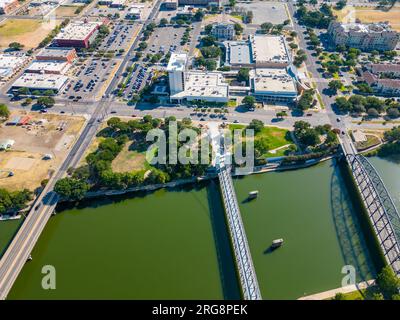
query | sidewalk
(331,293)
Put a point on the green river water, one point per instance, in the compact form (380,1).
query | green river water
(173,244)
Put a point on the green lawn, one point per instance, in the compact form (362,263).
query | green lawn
(275,137)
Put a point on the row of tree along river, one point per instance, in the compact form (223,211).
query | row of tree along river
(173,244)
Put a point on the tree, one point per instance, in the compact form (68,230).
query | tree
(208,28)
(335,85)
(393,113)
(199,15)
(372,112)
(71,188)
(13,201)
(46,101)
(15,46)
(256,125)
(341,4)
(388,282)
(23,91)
(208,41)
(281,114)
(163,22)
(378,296)
(142,45)
(306,100)
(243,74)
(266,27)
(238,28)
(4,112)
(339,296)
(249,101)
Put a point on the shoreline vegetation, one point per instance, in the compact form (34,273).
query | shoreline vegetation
(126,141)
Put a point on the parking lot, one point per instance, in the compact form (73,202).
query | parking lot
(119,38)
(274,12)
(163,40)
(88,80)
(104,11)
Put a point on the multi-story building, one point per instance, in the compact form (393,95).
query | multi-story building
(176,72)
(170,4)
(57,54)
(273,85)
(367,37)
(223,31)
(194,85)
(77,34)
(261,51)
(388,70)
(7,6)
(389,87)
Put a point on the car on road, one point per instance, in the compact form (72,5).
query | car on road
(236,121)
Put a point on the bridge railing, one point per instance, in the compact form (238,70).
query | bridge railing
(382,212)
(244,262)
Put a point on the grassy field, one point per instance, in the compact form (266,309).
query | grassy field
(275,138)
(369,15)
(129,160)
(29,32)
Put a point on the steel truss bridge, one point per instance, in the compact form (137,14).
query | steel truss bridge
(244,262)
(382,212)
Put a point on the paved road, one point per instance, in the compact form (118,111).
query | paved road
(20,248)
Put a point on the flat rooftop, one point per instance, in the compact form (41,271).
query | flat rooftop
(366,28)
(41,81)
(272,80)
(3,3)
(265,48)
(77,30)
(238,52)
(204,84)
(48,66)
(9,62)
(177,62)
(55,52)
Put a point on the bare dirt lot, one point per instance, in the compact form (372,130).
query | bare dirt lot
(368,15)
(42,136)
(29,32)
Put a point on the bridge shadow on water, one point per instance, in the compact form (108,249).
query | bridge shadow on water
(228,275)
(349,226)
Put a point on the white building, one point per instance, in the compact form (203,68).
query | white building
(272,84)
(176,70)
(6,6)
(48,67)
(223,31)
(368,37)
(194,85)
(135,12)
(40,82)
(204,86)
(10,64)
(261,51)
